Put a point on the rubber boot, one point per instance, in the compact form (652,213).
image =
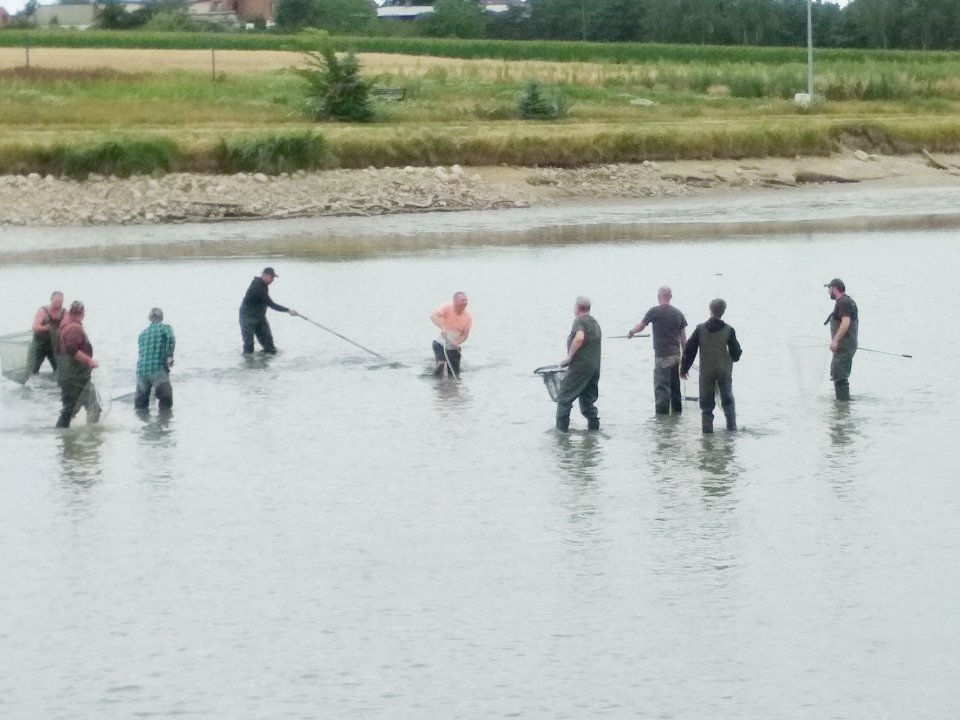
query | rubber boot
(732,423)
(707,424)
(842,391)
(563,424)
(64,420)
(593,423)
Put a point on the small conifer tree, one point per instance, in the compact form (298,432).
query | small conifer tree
(335,89)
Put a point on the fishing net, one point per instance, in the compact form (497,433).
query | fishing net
(15,356)
(552,376)
(810,357)
(95,397)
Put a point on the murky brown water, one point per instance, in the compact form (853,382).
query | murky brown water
(313,536)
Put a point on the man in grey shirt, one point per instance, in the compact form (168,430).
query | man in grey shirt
(669,337)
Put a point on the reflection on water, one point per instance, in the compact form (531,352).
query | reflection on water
(425,543)
(717,460)
(80,459)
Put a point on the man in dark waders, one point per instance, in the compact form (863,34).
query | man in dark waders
(46,324)
(844,326)
(669,337)
(74,365)
(582,380)
(253,313)
(719,350)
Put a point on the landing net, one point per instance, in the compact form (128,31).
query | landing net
(552,376)
(15,356)
(810,357)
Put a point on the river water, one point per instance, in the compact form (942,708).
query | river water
(317,535)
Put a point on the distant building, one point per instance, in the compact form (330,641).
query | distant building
(403,12)
(4,17)
(213,11)
(412,12)
(69,16)
(250,10)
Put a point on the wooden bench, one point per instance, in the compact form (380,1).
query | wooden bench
(389,93)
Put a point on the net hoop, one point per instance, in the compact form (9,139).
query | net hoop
(15,356)
(552,376)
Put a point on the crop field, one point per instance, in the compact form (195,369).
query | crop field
(200,104)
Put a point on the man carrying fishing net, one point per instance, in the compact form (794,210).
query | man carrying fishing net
(582,380)
(46,324)
(253,313)
(844,324)
(74,365)
(454,321)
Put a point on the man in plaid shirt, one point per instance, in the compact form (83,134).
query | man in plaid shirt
(156,344)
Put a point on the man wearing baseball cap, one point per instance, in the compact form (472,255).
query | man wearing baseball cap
(844,324)
(253,313)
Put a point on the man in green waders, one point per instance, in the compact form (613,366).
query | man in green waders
(582,380)
(719,350)
(74,365)
(844,326)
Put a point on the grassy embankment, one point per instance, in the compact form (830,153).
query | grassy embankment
(134,111)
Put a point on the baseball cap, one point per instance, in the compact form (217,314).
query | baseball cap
(269,271)
(836,283)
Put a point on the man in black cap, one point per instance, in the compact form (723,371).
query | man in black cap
(253,313)
(844,324)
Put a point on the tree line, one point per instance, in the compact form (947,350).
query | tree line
(885,24)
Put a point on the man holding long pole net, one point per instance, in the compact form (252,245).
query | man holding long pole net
(844,324)
(454,321)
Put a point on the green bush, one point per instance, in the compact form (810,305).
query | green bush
(273,154)
(335,89)
(534,104)
(122,157)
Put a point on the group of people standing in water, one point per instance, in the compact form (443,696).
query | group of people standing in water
(674,354)
(59,337)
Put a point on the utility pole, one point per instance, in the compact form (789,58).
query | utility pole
(810,49)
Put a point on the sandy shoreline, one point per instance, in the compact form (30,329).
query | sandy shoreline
(49,201)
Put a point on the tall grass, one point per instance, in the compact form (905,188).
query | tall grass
(121,157)
(515,143)
(273,154)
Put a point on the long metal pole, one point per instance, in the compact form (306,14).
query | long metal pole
(810,49)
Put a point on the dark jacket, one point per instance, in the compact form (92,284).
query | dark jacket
(257,300)
(693,343)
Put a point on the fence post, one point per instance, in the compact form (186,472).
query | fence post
(213,63)
(26,48)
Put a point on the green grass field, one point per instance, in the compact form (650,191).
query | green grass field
(632,103)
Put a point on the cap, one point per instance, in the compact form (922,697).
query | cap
(269,271)
(156,314)
(836,283)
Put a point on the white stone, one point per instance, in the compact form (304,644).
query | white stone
(33,177)
(861,155)
(260,178)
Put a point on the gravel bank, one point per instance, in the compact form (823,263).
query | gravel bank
(36,200)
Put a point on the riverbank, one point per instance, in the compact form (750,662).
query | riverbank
(35,200)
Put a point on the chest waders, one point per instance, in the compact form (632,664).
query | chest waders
(716,373)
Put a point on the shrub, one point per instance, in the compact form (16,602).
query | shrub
(123,158)
(534,104)
(336,91)
(274,154)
